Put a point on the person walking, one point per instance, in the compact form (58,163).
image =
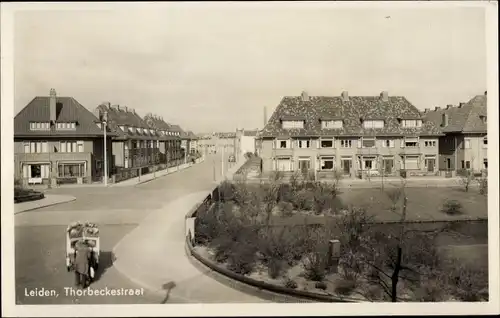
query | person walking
(82,259)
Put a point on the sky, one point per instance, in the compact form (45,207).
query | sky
(214,67)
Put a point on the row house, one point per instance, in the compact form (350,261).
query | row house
(135,145)
(57,140)
(170,141)
(355,135)
(464,144)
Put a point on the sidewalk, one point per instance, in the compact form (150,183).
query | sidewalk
(49,200)
(151,176)
(153,256)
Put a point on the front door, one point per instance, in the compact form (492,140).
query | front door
(304,165)
(388,165)
(346,165)
(430,165)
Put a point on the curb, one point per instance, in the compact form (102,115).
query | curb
(48,205)
(166,174)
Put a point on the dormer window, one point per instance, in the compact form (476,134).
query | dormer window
(139,130)
(483,119)
(122,127)
(66,126)
(331,124)
(131,129)
(291,124)
(373,124)
(39,125)
(368,142)
(411,123)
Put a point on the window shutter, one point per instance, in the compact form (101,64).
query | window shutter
(360,141)
(402,142)
(318,143)
(25,171)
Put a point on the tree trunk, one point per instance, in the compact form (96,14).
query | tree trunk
(395,277)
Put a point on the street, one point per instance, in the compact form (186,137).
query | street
(40,234)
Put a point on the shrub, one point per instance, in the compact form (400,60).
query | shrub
(290,283)
(285,192)
(286,209)
(403,173)
(467,283)
(226,191)
(430,291)
(320,285)
(242,258)
(452,207)
(483,186)
(324,198)
(315,265)
(304,200)
(345,287)
(275,267)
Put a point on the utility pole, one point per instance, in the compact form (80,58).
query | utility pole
(222,161)
(104,122)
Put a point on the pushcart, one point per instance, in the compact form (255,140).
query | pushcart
(87,233)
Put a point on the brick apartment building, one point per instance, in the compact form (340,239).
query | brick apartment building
(465,141)
(57,140)
(358,136)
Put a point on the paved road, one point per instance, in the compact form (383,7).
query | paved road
(39,234)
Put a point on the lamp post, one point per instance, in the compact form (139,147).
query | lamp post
(104,124)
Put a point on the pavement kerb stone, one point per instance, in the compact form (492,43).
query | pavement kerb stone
(67,199)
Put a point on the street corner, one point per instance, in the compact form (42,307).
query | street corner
(47,201)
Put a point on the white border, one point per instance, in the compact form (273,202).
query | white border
(7,100)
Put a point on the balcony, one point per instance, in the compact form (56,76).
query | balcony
(410,151)
(367,151)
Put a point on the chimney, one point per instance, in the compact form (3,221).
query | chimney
(125,109)
(444,120)
(449,106)
(118,106)
(437,108)
(52,105)
(115,107)
(108,105)
(305,97)
(461,105)
(345,96)
(384,96)
(485,93)
(427,110)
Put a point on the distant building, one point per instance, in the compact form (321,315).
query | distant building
(217,142)
(246,141)
(465,141)
(57,140)
(357,136)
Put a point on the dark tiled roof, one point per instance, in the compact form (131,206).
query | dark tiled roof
(68,110)
(351,112)
(464,118)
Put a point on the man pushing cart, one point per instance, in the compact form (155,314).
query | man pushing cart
(82,251)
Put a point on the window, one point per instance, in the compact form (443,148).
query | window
(69,146)
(411,123)
(373,124)
(326,143)
(71,170)
(289,124)
(485,163)
(283,144)
(327,163)
(79,145)
(430,143)
(485,142)
(304,144)
(122,128)
(331,124)
(388,143)
(346,143)
(483,118)
(411,162)
(466,144)
(411,142)
(368,142)
(66,126)
(36,147)
(39,126)
(463,164)
(467,164)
